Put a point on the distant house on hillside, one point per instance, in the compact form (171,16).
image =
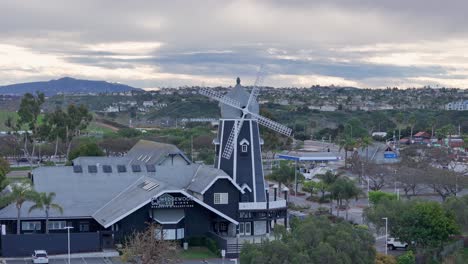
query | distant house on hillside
(458,106)
(422,137)
(148,103)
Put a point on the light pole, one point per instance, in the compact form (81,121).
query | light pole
(368,190)
(386,234)
(295,179)
(68,231)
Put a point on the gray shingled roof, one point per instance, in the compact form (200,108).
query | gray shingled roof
(152,152)
(108,196)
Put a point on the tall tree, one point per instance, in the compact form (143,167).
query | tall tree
(145,247)
(20,193)
(425,223)
(412,122)
(29,111)
(347,144)
(45,201)
(78,118)
(314,240)
(343,189)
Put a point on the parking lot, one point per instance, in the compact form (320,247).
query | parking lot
(87,260)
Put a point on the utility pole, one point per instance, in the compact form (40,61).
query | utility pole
(68,231)
(386,235)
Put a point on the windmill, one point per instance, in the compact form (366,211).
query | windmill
(238,143)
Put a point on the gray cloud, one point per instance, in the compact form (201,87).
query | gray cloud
(221,39)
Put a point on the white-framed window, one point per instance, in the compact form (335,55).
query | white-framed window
(56,225)
(244,148)
(221,198)
(31,226)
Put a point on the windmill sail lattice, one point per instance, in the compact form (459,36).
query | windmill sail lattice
(230,143)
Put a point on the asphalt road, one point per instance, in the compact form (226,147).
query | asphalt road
(87,260)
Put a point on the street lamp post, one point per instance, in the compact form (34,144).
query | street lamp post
(386,234)
(368,190)
(68,231)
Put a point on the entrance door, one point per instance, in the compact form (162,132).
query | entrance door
(245,229)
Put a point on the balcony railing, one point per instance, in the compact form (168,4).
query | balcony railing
(262,205)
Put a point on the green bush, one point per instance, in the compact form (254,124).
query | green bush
(212,245)
(407,258)
(49,163)
(377,196)
(207,242)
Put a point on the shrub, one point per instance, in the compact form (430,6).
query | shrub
(407,258)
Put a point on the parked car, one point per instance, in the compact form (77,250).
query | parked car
(40,256)
(393,244)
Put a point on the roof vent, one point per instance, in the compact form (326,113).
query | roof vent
(92,168)
(107,168)
(121,168)
(136,168)
(77,169)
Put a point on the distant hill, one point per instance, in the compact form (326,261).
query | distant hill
(65,85)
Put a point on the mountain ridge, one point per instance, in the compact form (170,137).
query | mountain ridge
(66,85)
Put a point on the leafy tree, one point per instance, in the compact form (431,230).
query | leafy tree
(285,174)
(347,144)
(309,186)
(77,119)
(458,206)
(144,247)
(20,193)
(344,189)
(4,169)
(376,197)
(29,111)
(53,127)
(45,201)
(425,223)
(86,150)
(314,240)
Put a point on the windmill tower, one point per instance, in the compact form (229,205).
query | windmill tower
(238,150)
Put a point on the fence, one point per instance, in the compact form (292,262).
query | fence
(25,244)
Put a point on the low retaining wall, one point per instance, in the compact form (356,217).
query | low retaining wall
(24,245)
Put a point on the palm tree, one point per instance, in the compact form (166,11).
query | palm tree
(44,201)
(412,122)
(365,142)
(348,144)
(20,193)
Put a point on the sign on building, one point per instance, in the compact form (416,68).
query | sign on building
(168,201)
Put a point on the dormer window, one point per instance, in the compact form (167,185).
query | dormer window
(244,145)
(244,148)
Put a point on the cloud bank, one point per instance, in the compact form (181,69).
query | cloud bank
(152,44)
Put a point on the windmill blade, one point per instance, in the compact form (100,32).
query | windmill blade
(220,97)
(232,139)
(255,90)
(266,122)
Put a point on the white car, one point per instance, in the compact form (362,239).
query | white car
(393,244)
(40,256)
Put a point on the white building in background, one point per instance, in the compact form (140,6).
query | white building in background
(111,109)
(148,103)
(458,106)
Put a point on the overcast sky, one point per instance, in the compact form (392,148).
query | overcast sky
(152,44)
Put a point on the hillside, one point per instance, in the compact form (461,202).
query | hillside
(65,85)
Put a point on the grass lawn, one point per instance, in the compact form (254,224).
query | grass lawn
(22,168)
(198,253)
